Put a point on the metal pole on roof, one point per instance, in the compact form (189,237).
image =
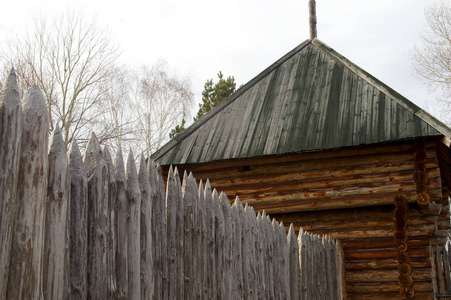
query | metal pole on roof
(312,19)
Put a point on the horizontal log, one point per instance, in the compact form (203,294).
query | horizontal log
(359,224)
(302,182)
(350,233)
(358,254)
(385,287)
(317,168)
(388,296)
(322,167)
(294,203)
(382,264)
(403,146)
(382,276)
(382,213)
(304,162)
(378,243)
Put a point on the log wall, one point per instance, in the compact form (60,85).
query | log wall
(349,195)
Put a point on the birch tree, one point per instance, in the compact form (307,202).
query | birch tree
(161,100)
(432,57)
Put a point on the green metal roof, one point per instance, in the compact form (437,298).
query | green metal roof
(311,99)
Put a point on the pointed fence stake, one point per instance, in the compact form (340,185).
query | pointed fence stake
(10,138)
(25,273)
(55,237)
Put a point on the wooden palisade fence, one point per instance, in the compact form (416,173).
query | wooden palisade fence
(100,228)
(441,266)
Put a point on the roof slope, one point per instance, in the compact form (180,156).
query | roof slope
(311,99)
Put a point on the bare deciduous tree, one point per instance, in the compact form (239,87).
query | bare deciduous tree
(432,58)
(71,60)
(160,102)
(118,123)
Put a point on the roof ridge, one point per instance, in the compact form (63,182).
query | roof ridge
(384,88)
(174,141)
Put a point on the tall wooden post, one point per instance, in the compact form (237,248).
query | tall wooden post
(147,245)
(97,173)
(10,137)
(134,225)
(25,274)
(54,267)
(78,231)
(112,220)
(312,19)
(121,228)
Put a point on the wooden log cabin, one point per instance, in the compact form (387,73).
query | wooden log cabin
(316,141)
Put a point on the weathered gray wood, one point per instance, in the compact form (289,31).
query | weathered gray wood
(237,259)
(25,272)
(180,228)
(78,231)
(281,284)
(197,272)
(447,267)
(270,254)
(341,282)
(158,230)
(246,251)
(147,246)
(228,245)
(189,190)
(55,236)
(330,268)
(171,221)
(219,245)
(260,258)
(154,215)
(210,259)
(203,271)
(293,263)
(303,257)
(112,220)
(252,247)
(121,229)
(134,226)
(10,137)
(97,173)
(162,230)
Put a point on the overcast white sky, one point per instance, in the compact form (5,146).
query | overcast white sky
(242,37)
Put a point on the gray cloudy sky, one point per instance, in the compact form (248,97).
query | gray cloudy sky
(242,37)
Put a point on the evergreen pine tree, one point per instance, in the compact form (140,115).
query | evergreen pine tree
(212,95)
